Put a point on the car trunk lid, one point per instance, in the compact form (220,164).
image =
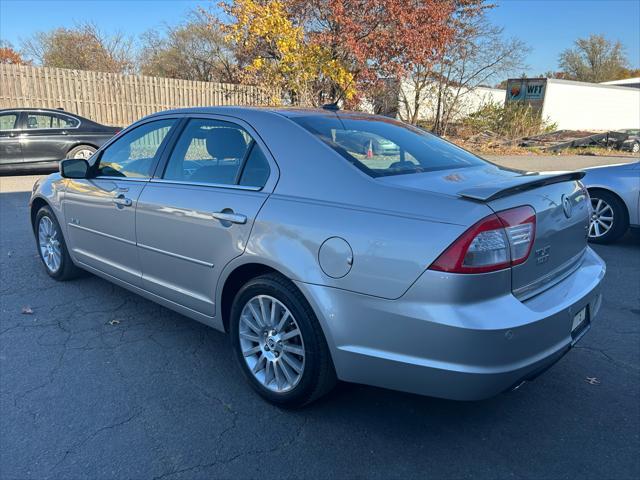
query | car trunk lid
(559,200)
(562,221)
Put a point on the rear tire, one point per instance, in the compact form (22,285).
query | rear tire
(52,248)
(285,347)
(609,220)
(81,151)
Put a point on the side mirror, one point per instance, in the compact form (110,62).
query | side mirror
(74,168)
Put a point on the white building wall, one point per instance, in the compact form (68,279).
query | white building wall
(470,100)
(590,106)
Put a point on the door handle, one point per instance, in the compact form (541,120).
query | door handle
(122,201)
(229,216)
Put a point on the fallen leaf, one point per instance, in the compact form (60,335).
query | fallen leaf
(114,322)
(592,381)
(27,311)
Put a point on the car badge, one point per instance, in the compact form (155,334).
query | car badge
(566,206)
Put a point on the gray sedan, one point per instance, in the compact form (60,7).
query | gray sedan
(429,271)
(615,198)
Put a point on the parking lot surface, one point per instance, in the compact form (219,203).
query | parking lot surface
(96,382)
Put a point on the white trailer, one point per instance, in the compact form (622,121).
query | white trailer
(467,100)
(579,105)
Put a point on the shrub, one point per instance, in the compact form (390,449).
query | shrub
(510,121)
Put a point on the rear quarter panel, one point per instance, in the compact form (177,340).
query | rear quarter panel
(390,250)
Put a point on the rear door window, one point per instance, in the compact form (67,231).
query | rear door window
(218,153)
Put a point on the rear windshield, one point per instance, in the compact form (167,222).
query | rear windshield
(381,146)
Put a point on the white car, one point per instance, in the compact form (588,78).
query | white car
(615,198)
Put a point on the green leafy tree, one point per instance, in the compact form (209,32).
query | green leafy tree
(594,59)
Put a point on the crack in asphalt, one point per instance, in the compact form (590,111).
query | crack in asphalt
(93,434)
(618,363)
(225,461)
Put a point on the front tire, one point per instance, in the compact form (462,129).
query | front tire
(52,247)
(609,220)
(279,344)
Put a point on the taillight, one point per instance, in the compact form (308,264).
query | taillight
(501,240)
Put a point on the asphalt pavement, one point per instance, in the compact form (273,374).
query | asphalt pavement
(98,383)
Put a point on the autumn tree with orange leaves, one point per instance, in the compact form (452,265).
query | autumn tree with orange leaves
(372,40)
(9,56)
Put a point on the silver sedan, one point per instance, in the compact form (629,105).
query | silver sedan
(615,198)
(429,271)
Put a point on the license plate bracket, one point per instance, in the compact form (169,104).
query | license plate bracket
(580,323)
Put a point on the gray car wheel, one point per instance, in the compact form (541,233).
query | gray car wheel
(278,342)
(81,151)
(609,219)
(52,247)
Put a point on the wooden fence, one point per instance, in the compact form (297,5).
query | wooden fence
(115,99)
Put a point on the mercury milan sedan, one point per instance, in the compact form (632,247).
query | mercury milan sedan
(428,270)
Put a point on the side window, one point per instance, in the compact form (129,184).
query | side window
(64,121)
(8,121)
(133,155)
(38,120)
(209,151)
(50,120)
(256,169)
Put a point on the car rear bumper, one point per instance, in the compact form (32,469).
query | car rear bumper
(446,338)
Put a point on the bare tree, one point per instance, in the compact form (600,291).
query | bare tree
(83,47)
(194,50)
(478,55)
(594,59)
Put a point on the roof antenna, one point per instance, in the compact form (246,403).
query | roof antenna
(334,107)
(337,104)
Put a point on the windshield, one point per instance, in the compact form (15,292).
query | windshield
(381,146)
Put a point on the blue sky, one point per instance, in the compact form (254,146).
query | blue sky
(547,26)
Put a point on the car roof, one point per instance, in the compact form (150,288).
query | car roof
(35,109)
(289,112)
(51,110)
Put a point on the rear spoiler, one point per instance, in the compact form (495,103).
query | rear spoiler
(510,186)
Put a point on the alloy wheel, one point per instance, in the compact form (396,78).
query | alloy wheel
(271,343)
(85,153)
(49,243)
(601,220)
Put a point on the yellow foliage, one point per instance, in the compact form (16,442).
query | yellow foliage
(280,54)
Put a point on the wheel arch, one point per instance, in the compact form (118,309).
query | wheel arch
(239,274)
(36,204)
(234,281)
